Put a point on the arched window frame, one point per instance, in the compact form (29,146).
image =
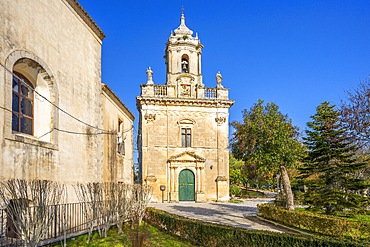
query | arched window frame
(41,76)
(22,104)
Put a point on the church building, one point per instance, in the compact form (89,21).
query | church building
(183,127)
(58,121)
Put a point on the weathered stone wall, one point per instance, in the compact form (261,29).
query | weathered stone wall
(117,167)
(68,55)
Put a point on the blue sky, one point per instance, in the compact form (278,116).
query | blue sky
(296,54)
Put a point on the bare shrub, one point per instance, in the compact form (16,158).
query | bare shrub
(139,201)
(111,203)
(30,206)
(124,200)
(91,195)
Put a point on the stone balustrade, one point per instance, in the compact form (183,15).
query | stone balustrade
(170,91)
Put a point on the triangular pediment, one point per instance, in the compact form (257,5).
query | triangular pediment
(186,156)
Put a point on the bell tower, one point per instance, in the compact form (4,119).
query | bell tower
(183,56)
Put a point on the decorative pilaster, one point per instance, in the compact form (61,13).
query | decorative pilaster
(200,196)
(174,182)
(222,189)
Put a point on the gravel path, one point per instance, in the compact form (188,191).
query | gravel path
(239,215)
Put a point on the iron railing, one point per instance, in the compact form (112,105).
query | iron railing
(69,220)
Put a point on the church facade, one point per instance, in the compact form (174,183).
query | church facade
(183,127)
(58,121)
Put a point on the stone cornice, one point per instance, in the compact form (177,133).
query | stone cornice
(86,18)
(213,103)
(117,100)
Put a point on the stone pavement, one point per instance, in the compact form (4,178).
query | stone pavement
(239,215)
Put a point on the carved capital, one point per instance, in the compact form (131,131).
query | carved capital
(221,179)
(151,178)
(150,117)
(220,120)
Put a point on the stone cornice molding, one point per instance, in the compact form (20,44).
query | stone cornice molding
(86,18)
(109,92)
(213,103)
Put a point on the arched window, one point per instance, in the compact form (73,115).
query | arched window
(22,105)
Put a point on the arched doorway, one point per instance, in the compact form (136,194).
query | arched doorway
(186,186)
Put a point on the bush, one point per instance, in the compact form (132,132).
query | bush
(206,234)
(234,190)
(326,225)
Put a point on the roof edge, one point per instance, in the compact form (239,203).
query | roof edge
(86,18)
(117,100)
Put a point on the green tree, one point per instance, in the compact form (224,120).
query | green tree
(267,139)
(330,164)
(237,172)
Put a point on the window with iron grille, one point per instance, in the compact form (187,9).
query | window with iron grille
(22,105)
(186,137)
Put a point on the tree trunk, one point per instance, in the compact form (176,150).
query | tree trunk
(287,189)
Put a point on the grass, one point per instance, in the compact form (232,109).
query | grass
(357,217)
(235,201)
(150,235)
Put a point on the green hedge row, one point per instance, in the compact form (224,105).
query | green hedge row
(207,234)
(326,225)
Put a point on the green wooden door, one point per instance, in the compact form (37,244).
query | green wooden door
(186,186)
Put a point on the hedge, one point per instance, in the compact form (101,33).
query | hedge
(208,234)
(322,224)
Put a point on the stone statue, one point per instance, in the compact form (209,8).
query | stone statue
(149,72)
(219,80)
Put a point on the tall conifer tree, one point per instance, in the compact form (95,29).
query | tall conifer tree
(330,164)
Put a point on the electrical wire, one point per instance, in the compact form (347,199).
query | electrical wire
(78,133)
(6,109)
(60,109)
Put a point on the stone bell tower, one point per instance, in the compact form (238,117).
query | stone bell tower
(183,127)
(183,55)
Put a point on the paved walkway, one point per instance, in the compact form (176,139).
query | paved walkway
(239,215)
